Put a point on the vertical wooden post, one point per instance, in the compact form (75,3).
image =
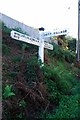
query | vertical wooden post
(41,48)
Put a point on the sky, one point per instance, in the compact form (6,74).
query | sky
(50,14)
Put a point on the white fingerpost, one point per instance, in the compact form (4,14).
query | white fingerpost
(39,42)
(41,48)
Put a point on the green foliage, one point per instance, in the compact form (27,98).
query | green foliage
(69,56)
(76,89)
(16,58)
(5,28)
(5,49)
(63,88)
(57,52)
(24,46)
(8,91)
(65,80)
(53,93)
(68,108)
(20,116)
(29,73)
(61,54)
(72,44)
(22,103)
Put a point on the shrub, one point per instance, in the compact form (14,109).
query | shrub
(57,52)
(29,73)
(53,93)
(61,54)
(69,56)
(64,86)
(61,78)
(68,108)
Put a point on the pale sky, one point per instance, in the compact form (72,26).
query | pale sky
(50,14)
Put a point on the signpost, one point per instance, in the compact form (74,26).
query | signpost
(41,43)
(25,38)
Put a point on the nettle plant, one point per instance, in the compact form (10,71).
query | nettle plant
(8,91)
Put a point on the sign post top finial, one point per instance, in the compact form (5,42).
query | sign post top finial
(41,29)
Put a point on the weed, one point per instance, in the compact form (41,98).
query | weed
(22,103)
(20,116)
(8,92)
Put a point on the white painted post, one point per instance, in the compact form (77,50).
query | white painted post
(41,48)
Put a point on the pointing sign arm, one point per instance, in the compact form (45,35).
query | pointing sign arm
(54,33)
(19,36)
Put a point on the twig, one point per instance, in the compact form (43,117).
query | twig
(46,107)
